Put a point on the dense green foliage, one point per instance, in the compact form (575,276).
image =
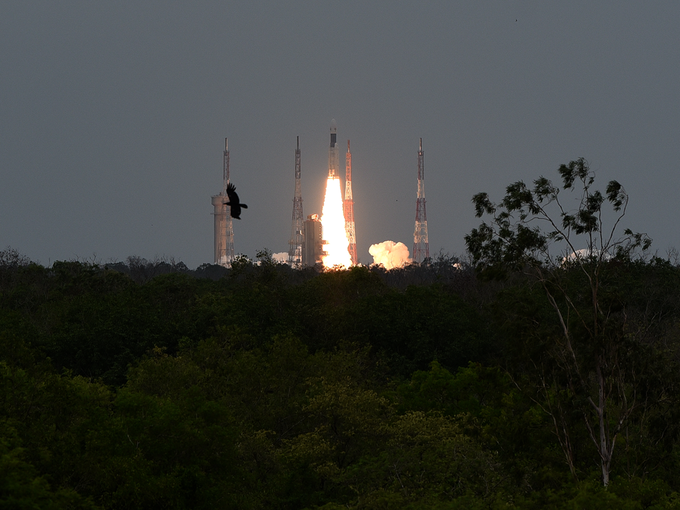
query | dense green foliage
(268,387)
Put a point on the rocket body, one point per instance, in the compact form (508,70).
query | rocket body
(333,157)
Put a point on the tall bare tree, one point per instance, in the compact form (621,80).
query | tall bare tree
(568,239)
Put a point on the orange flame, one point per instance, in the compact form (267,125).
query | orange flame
(333,226)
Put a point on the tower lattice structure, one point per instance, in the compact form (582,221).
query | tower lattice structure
(421,245)
(348,208)
(224,229)
(297,233)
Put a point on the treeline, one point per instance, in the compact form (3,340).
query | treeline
(264,386)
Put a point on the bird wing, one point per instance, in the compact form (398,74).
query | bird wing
(231,193)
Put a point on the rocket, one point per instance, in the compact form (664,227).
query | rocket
(333,157)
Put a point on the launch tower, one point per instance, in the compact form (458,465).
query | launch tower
(312,248)
(348,208)
(224,230)
(296,236)
(421,245)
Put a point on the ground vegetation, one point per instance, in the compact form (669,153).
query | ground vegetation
(519,377)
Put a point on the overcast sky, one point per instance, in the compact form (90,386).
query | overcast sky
(113,116)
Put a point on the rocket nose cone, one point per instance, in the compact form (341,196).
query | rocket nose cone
(333,125)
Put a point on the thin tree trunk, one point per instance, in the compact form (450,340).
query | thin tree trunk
(605,454)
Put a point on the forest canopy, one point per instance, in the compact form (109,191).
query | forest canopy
(508,380)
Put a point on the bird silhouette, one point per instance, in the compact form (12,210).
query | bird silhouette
(234,202)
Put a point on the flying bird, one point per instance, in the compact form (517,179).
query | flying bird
(234,202)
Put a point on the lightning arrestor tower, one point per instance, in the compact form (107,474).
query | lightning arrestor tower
(296,236)
(421,245)
(224,230)
(348,208)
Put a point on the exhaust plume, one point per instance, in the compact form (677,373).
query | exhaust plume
(333,227)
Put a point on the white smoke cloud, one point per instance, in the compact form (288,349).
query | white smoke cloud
(390,254)
(280,257)
(584,254)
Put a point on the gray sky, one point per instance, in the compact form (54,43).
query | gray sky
(113,115)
